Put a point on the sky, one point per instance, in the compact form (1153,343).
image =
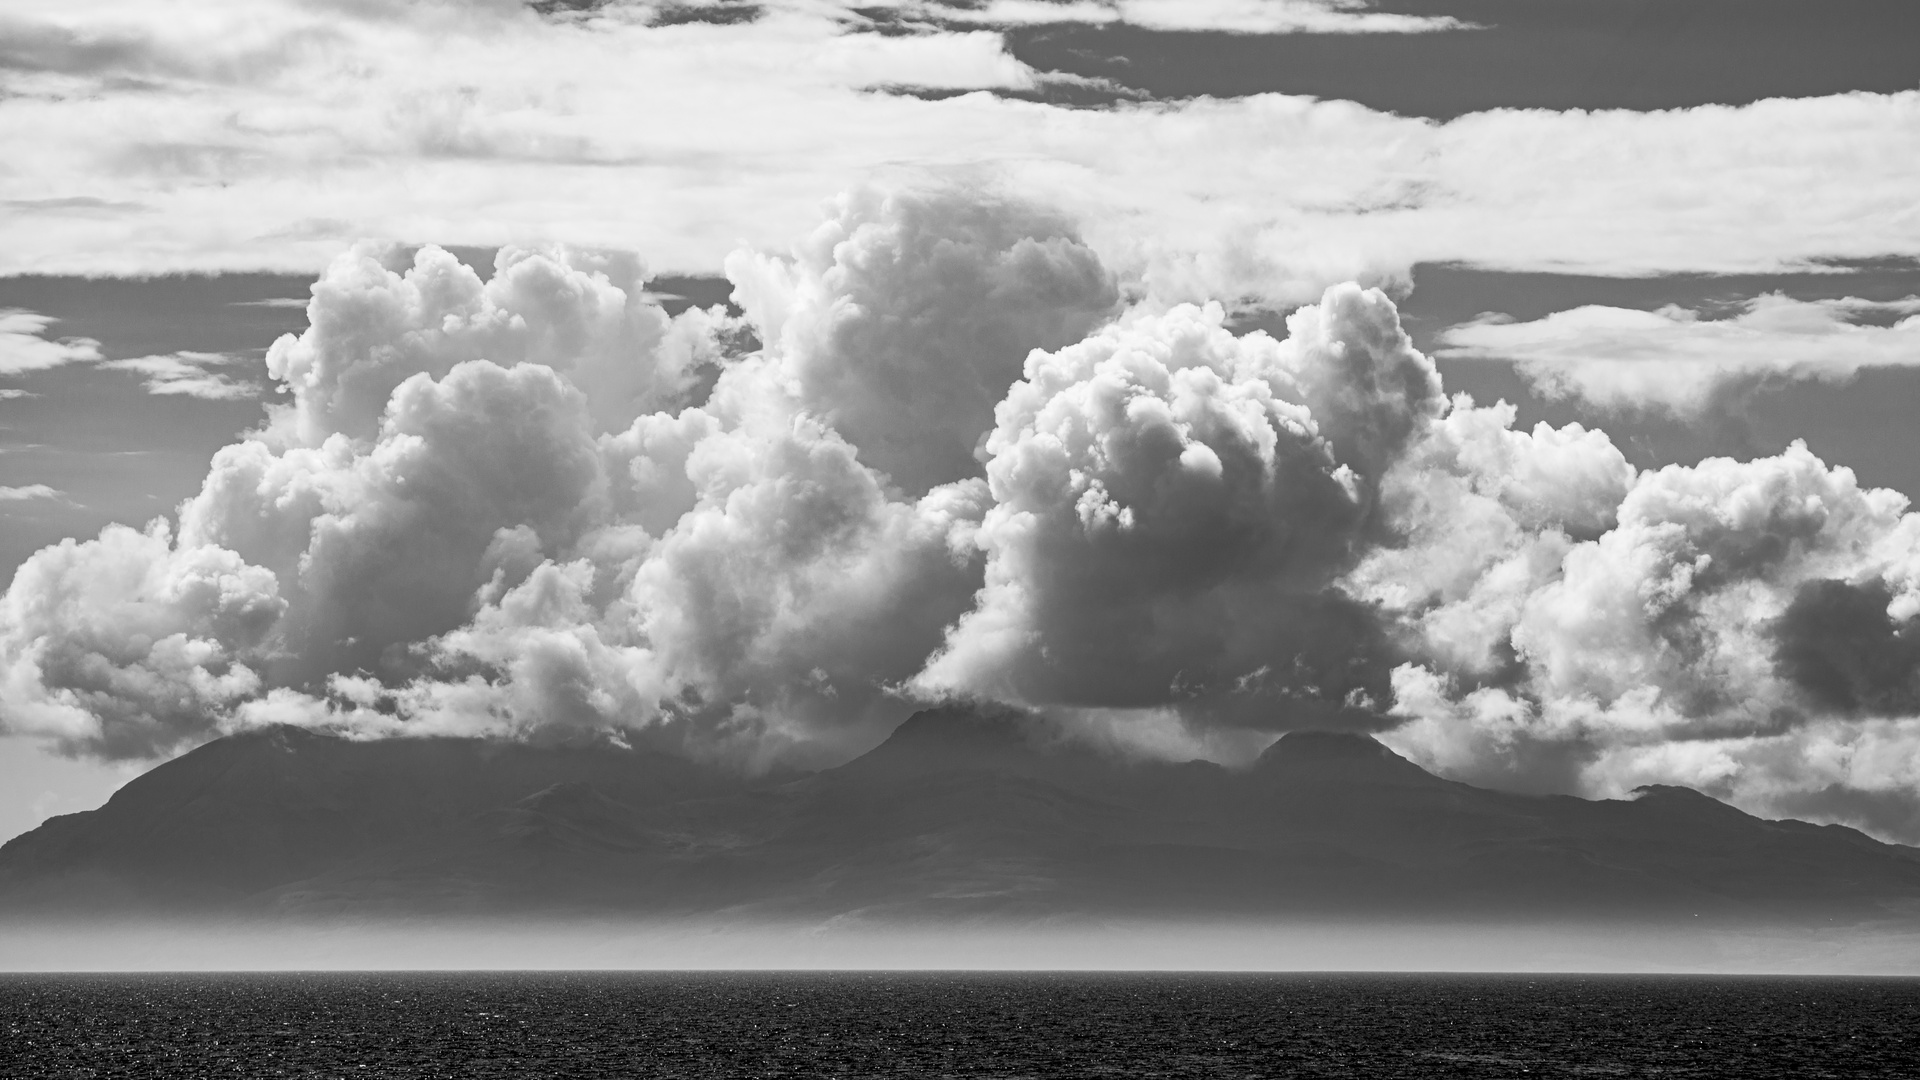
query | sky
(1527,382)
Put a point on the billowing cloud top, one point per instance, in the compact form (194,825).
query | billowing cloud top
(946,452)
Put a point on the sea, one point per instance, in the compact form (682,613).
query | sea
(972,1024)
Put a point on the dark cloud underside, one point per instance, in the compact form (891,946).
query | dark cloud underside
(1837,642)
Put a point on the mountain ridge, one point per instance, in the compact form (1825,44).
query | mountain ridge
(960,812)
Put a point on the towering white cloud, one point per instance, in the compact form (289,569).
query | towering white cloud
(1172,505)
(1484,515)
(379,318)
(944,453)
(1702,625)
(905,318)
(123,645)
(492,506)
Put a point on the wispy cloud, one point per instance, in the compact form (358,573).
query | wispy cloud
(24,345)
(1676,359)
(30,492)
(288,302)
(1230,16)
(75,204)
(11,393)
(188,374)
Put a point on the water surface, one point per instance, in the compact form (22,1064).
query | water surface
(871,1024)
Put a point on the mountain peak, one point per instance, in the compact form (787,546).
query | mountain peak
(1344,755)
(961,809)
(951,738)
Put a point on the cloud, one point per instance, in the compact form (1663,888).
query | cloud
(1230,16)
(30,492)
(1172,505)
(1676,360)
(1485,515)
(946,452)
(581,312)
(273,302)
(496,506)
(24,346)
(1690,625)
(488,125)
(185,374)
(1839,644)
(932,16)
(905,319)
(125,646)
(75,204)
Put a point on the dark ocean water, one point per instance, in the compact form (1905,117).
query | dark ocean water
(951,1024)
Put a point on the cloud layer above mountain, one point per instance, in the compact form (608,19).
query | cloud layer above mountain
(161,137)
(948,450)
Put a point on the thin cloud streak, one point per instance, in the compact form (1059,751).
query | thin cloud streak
(1679,361)
(31,492)
(1230,16)
(25,347)
(187,374)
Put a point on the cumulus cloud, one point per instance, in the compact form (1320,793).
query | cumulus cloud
(1678,360)
(404,475)
(946,452)
(1172,505)
(1698,625)
(905,319)
(380,317)
(187,374)
(537,504)
(1839,644)
(25,347)
(119,645)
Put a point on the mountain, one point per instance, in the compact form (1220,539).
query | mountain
(256,810)
(960,814)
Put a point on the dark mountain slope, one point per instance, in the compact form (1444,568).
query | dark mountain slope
(255,810)
(959,814)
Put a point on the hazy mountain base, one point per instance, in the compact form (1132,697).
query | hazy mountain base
(1065,944)
(960,837)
